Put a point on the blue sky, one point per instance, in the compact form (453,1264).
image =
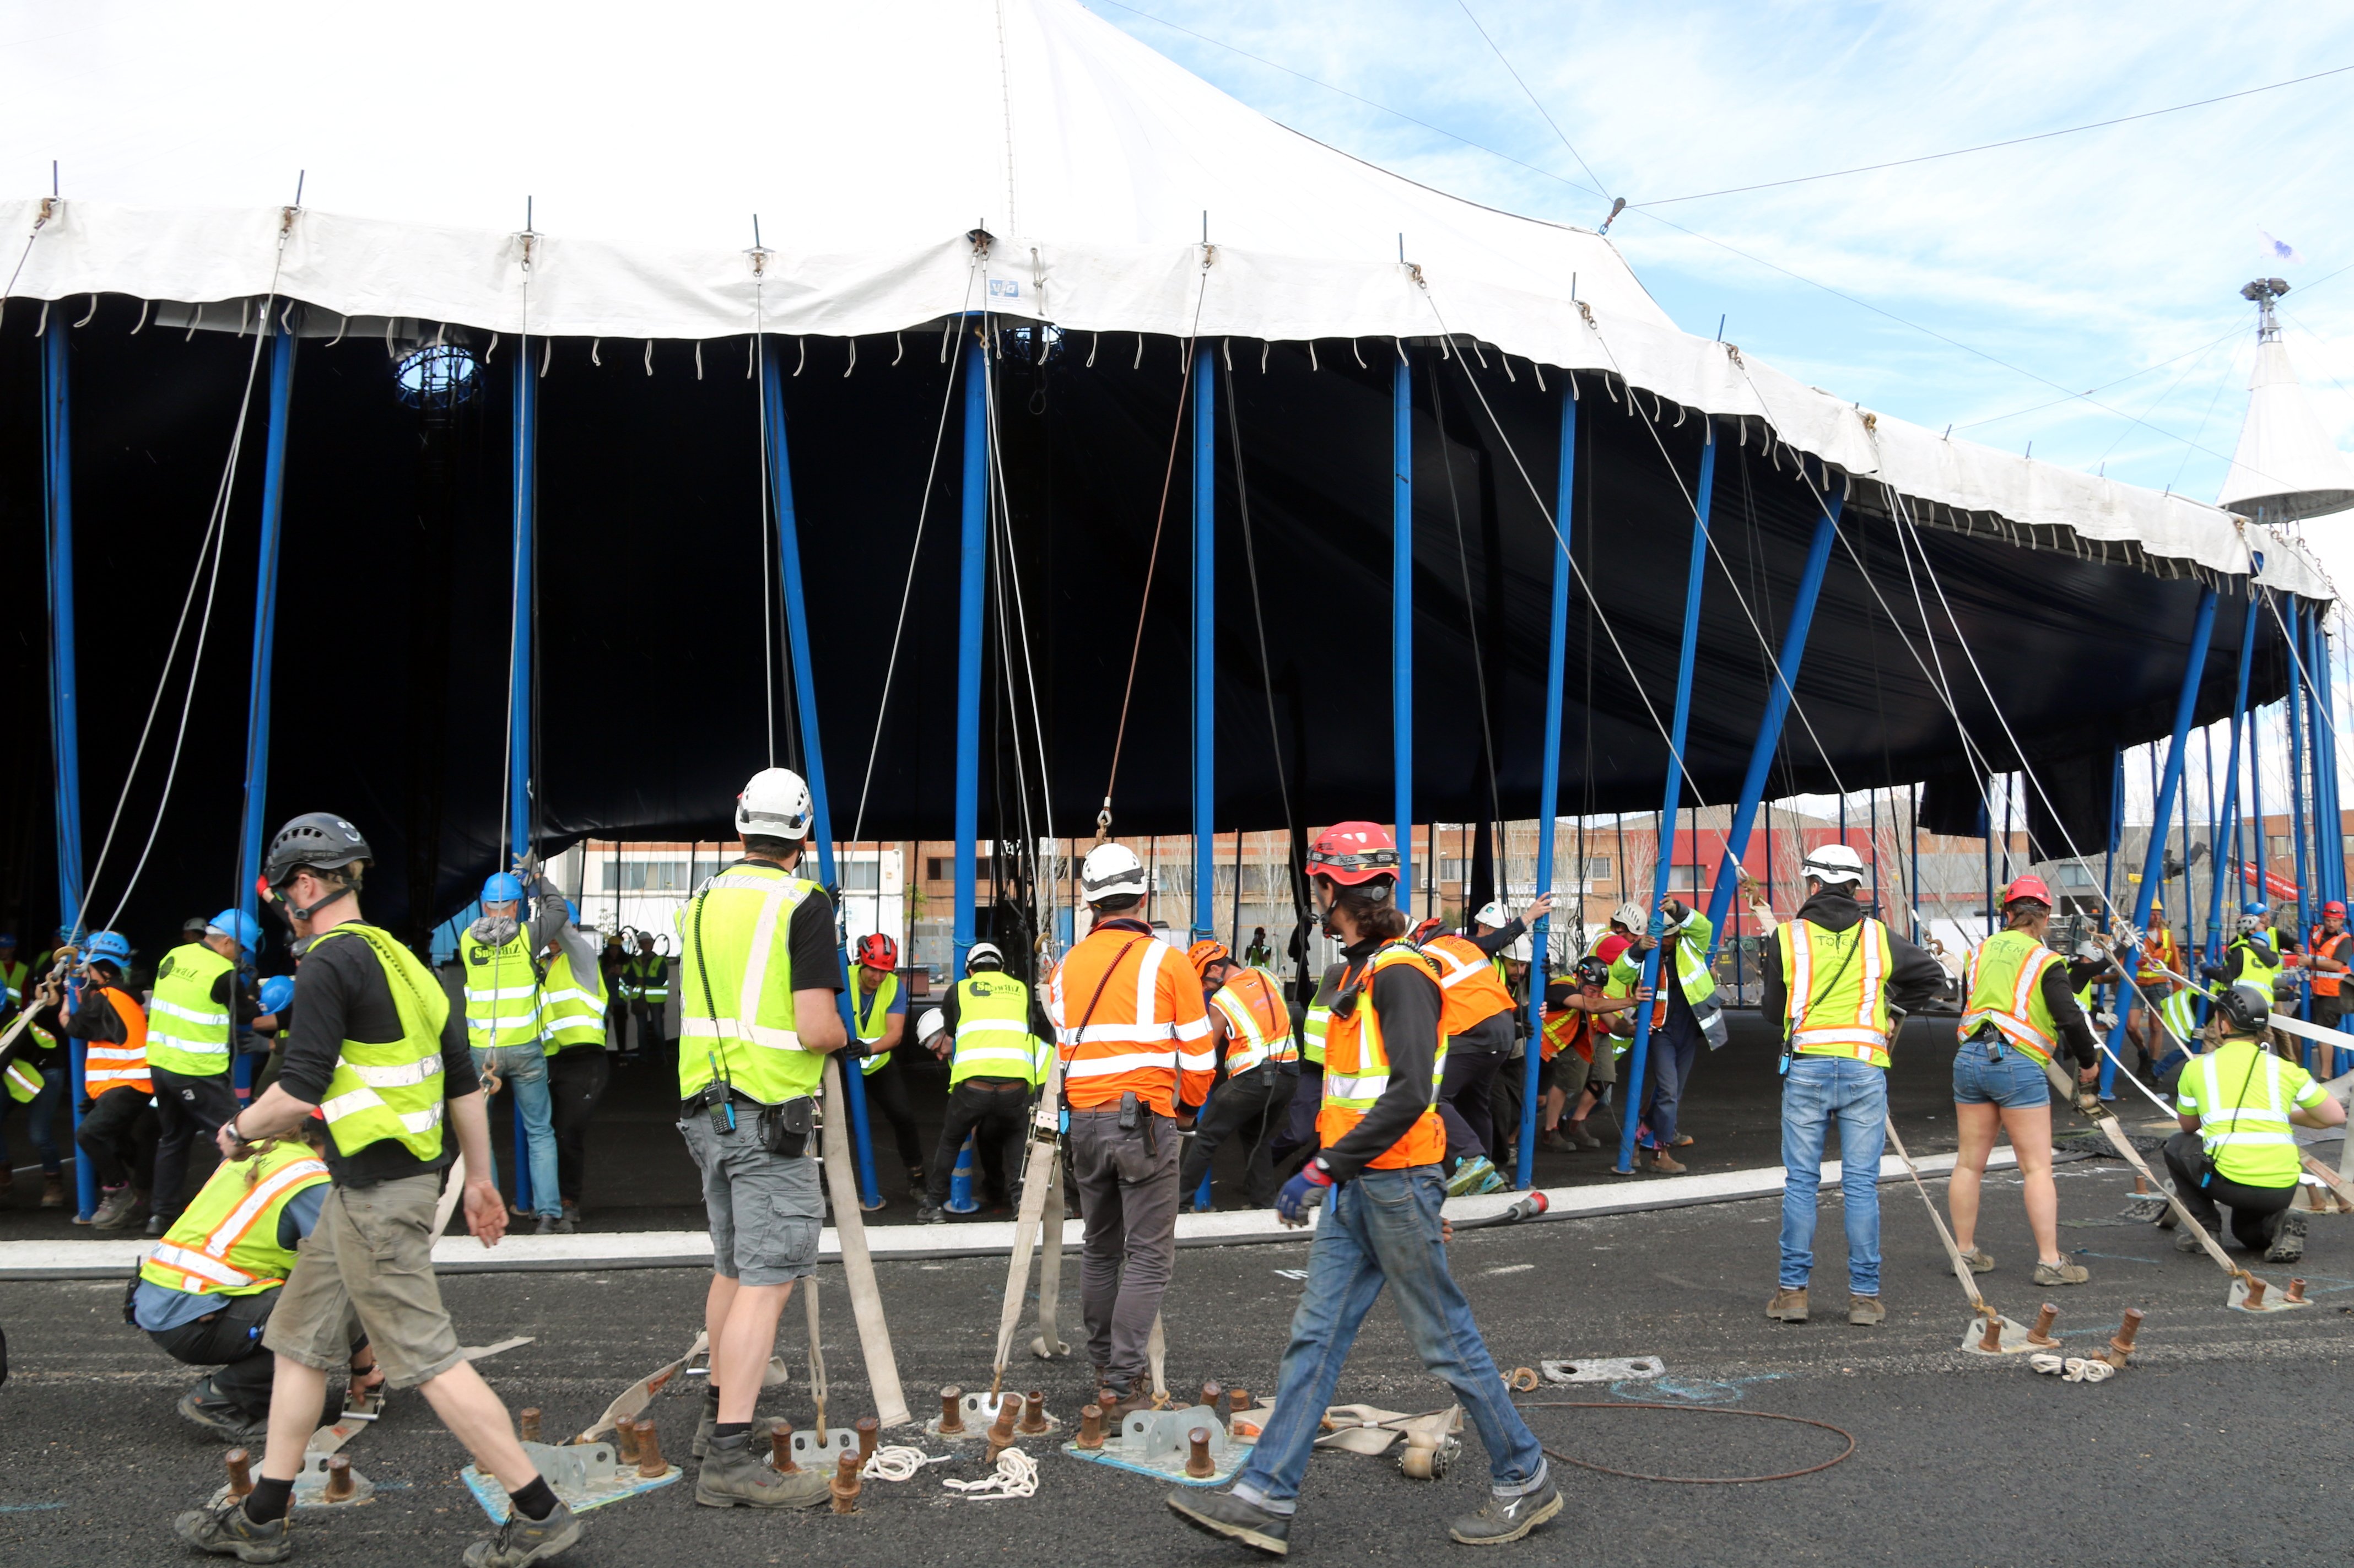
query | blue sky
(2110,258)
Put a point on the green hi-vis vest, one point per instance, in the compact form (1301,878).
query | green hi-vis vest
(22,1081)
(872,1008)
(14,975)
(2004,987)
(391,1088)
(2176,1014)
(188,1031)
(2241,1094)
(992,1032)
(1838,986)
(735,985)
(1320,1017)
(2260,967)
(572,1014)
(1689,943)
(225,1242)
(501,992)
(650,979)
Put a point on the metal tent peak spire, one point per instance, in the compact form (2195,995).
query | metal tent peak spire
(2285,467)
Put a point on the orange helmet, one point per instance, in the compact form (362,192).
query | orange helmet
(2028,887)
(1426,931)
(878,951)
(1354,853)
(1206,953)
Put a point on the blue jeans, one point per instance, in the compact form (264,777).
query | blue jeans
(1383,1229)
(1675,1047)
(1819,1089)
(522,1071)
(41,1120)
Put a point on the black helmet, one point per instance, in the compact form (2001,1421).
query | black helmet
(1592,970)
(320,840)
(2245,1008)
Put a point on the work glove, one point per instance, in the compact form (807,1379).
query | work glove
(855,1050)
(1303,1192)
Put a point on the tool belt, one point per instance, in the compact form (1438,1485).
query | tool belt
(784,1130)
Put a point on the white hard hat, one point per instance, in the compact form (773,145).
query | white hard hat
(1110,871)
(983,953)
(1630,914)
(931,1024)
(1494,916)
(1832,864)
(775,804)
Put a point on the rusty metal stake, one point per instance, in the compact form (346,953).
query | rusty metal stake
(1991,1340)
(2296,1291)
(2255,1298)
(1197,1462)
(1213,1395)
(625,1440)
(845,1484)
(1001,1432)
(1238,1402)
(1091,1435)
(2042,1333)
(1034,1413)
(781,1449)
(952,1411)
(241,1472)
(650,1454)
(868,1429)
(528,1423)
(2120,1349)
(339,1478)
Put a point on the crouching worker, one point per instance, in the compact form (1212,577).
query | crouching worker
(205,1293)
(2236,1105)
(1378,1186)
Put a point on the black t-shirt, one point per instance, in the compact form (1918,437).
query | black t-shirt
(347,996)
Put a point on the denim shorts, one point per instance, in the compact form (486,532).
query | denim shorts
(2012,1080)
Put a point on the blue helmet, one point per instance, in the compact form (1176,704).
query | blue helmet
(109,946)
(239,923)
(501,886)
(2254,907)
(276,992)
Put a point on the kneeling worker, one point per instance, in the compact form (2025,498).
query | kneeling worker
(1378,1185)
(2236,1105)
(207,1291)
(1250,1034)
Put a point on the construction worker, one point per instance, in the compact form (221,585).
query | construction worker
(572,1014)
(2251,957)
(205,1293)
(1250,1036)
(2160,956)
(2237,1104)
(2017,1009)
(1377,1186)
(1685,1013)
(755,1027)
(994,1044)
(1580,1051)
(202,994)
(1298,1125)
(33,1075)
(380,1052)
(2329,954)
(613,966)
(1837,979)
(12,974)
(878,1007)
(498,957)
(650,993)
(118,1129)
(1478,1024)
(1134,1038)
(1258,955)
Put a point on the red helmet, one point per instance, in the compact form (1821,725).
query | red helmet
(2334,907)
(2028,887)
(878,951)
(1354,853)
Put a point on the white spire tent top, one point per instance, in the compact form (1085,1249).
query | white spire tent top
(2285,467)
(871,138)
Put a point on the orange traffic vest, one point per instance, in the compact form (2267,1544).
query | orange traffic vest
(1148,1033)
(2325,946)
(107,1066)
(1357,1068)
(2159,950)
(1565,1030)
(1252,1006)
(1469,991)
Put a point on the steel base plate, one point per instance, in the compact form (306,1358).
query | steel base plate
(980,1413)
(311,1488)
(2014,1336)
(2276,1299)
(1156,1443)
(1602,1369)
(584,1475)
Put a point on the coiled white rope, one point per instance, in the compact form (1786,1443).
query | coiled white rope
(892,1463)
(1016,1476)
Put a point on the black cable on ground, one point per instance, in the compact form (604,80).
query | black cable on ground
(1689,1410)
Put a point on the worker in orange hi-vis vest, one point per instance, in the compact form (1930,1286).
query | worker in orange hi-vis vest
(2152,985)
(1133,1032)
(1477,1017)
(1250,1035)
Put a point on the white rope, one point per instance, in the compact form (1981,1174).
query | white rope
(1016,1476)
(892,1463)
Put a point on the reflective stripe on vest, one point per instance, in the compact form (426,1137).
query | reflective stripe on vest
(2251,1140)
(2003,985)
(2325,946)
(1357,1071)
(106,1066)
(1837,987)
(992,1031)
(1472,989)
(572,1016)
(1257,1020)
(2259,967)
(735,979)
(226,1241)
(1150,1033)
(2176,1014)
(649,978)
(14,974)
(871,1010)
(391,1088)
(501,992)
(22,1081)
(188,1031)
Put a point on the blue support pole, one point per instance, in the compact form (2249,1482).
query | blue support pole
(1402,610)
(971,560)
(2154,861)
(1778,708)
(265,623)
(1205,655)
(789,557)
(1630,1110)
(2230,815)
(1548,786)
(2294,704)
(2317,669)
(64,726)
(2261,848)
(2116,837)
(519,724)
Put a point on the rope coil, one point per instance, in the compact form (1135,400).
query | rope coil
(1016,1476)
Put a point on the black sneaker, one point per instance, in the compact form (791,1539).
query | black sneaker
(522,1541)
(2288,1240)
(228,1531)
(1507,1519)
(203,1406)
(930,1213)
(548,1225)
(1230,1518)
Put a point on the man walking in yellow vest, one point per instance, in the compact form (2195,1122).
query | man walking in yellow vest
(1834,977)
(202,994)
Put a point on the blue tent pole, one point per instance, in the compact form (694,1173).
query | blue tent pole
(519,725)
(1402,609)
(2214,837)
(2261,842)
(265,623)
(1206,656)
(2325,736)
(1913,826)
(65,732)
(1548,786)
(1630,1111)
(2154,861)
(2228,875)
(2117,836)
(971,559)
(1778,708)
(2294,706)
(789,556)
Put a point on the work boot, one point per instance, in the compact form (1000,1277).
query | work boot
(2060,1273)
(113,1211)
(53,1189)
(2186,1241)
(916,1182)
(203,1406)
(762,1425)
(226,1531)
(930,1213)
(1789,1306)
(1117,1407)
(733,1477)
(522,1541)
(1503,1520)
(1865,1311)
(1667,1164)
(2288,1240)
(1579,1136)
(1980,1260)
(546,1224)
(1550,1139)
(158,1224)
(1231,1517)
